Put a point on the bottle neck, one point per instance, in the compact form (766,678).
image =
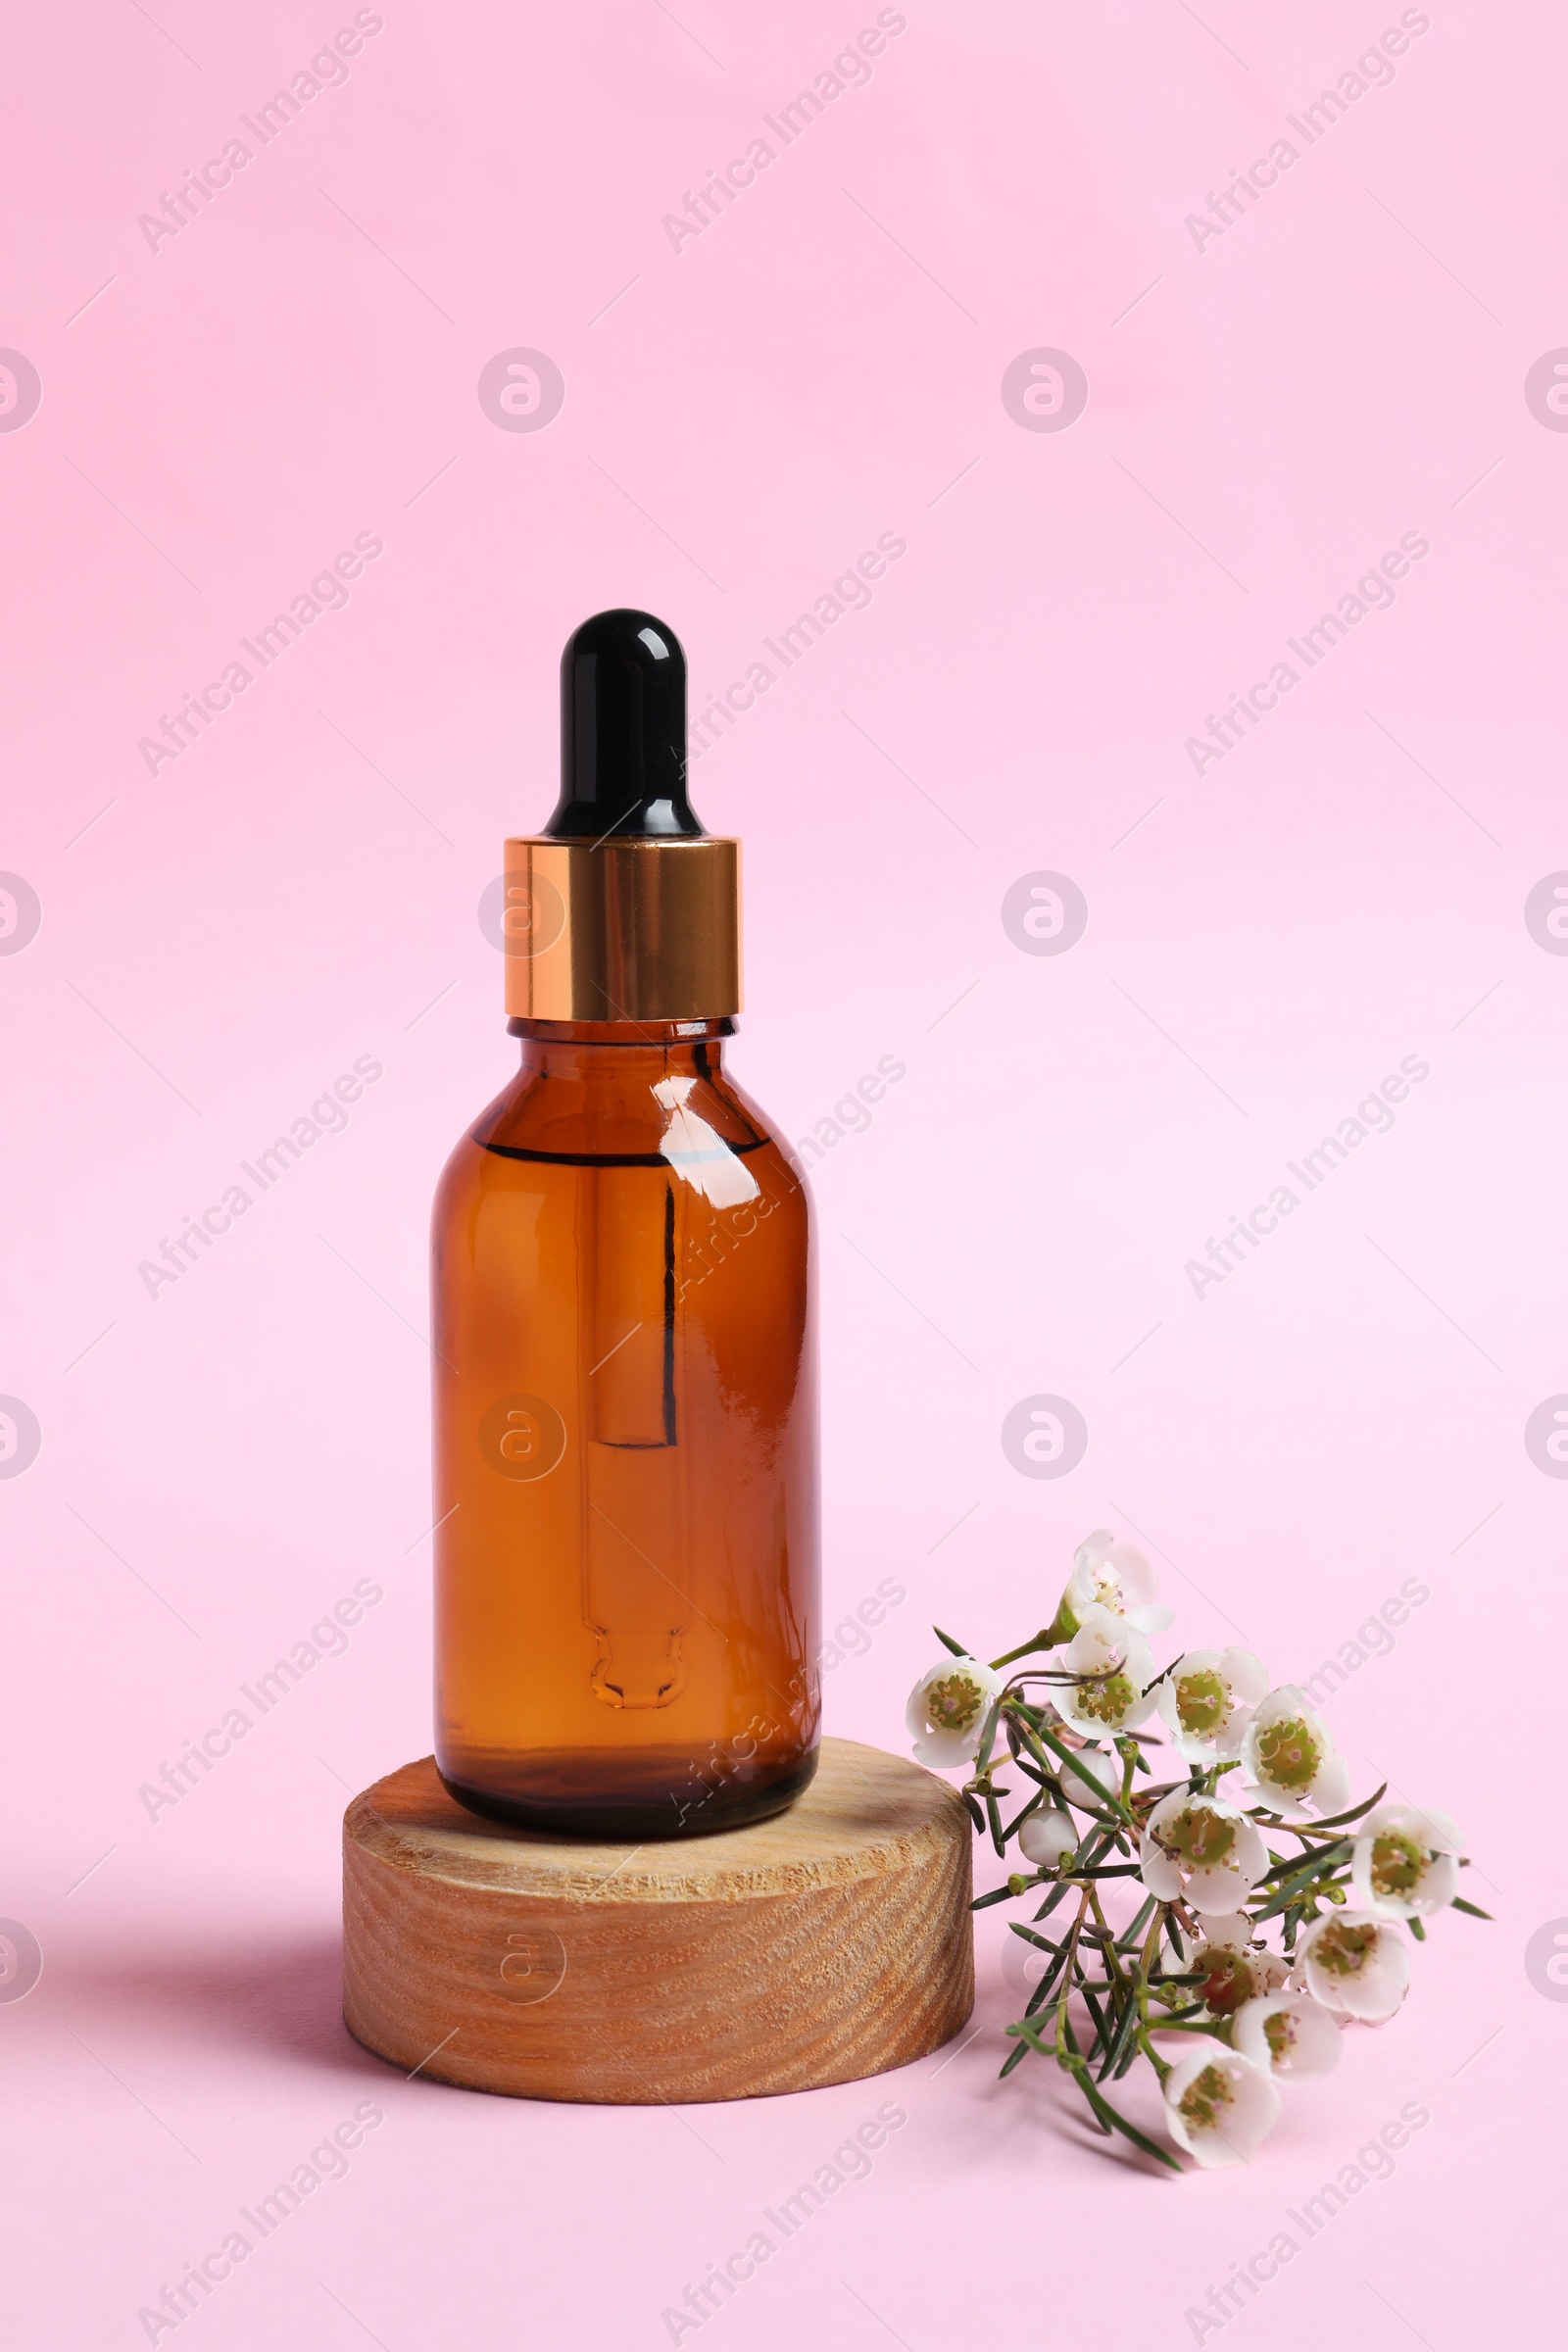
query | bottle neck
(628,1049)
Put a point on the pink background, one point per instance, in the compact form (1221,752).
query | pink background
(220,939)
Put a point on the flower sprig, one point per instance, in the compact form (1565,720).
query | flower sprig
(1244,1959)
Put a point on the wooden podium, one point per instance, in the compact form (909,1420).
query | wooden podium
(830,1942)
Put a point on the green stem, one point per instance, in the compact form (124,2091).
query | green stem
(1161,2066)
(1068,1986)
(1107,1940)
(1050,1636)
(1150,1954)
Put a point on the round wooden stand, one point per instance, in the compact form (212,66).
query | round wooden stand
(830,1942)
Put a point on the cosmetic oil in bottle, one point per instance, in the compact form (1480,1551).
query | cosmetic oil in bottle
(625,1393)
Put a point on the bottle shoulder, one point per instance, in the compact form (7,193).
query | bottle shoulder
(544,1140)
(630,1115)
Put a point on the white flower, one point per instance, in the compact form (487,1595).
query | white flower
(1233,1969)
(1113,1575)
(1046,1836)
(1406,1862)
(1094,1774)
(1206,1699)
(947,1710)
(1355,1965)
(1288,2035)
(1219,2105)
(1287,1760)
(1116,1654)
(1202,1851)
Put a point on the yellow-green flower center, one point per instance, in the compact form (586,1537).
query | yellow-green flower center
(1204,2099)
(1279,2031)
(1202,1702)
(1201,1837)
(1346,1946)
(953,1702)
(1397,1863)
(1289,1754)
(1107,1701)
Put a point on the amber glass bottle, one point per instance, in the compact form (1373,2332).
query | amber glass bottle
(625,1408)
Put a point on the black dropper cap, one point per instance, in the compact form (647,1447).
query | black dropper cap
(622,732)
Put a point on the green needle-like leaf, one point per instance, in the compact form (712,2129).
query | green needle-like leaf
(1321,1867)
(1046,1987)
(1307,1866)
(1127,1941)
(997,1895)
(1336,1821)
(1124,2036)
(1051,1900)
(1018,1928)
(1110,2121)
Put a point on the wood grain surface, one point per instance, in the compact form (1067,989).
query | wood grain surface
(830,1942)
